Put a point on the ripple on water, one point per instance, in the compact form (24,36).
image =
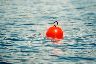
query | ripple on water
(15,39)
(22,27)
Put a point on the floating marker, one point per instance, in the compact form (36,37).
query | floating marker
(55,32)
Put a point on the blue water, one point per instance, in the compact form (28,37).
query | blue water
(23,24)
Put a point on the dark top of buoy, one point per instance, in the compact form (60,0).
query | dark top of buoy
(55,22)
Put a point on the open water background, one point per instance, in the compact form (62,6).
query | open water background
(23,24)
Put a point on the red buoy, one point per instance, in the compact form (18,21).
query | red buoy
(55,32)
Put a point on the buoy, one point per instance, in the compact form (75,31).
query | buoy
(55,32)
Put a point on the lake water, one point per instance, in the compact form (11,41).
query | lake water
(23,24)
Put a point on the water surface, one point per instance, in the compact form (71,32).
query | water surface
(23,24)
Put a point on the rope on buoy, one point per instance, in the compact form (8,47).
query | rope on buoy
(55,22)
